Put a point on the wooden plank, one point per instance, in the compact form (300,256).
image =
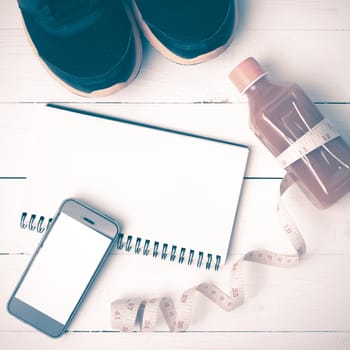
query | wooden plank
(256,226)
(200,341)
(152,341)
(304,298)
(262,230)
(295,15)
(222,121)
(289,56)
(259,15)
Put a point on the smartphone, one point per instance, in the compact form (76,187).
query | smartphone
(63,267)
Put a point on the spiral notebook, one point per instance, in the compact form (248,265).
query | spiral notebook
(174,194)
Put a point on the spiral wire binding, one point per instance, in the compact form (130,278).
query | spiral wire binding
(39,227)
(174,253)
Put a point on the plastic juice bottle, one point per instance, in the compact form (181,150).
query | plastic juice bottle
(282,114)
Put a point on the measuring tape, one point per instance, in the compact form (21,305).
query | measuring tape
(125,314)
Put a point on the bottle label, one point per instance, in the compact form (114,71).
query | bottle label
(320,134)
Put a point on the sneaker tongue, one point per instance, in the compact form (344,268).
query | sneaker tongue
(64,17)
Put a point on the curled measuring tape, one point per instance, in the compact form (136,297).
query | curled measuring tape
(126,314)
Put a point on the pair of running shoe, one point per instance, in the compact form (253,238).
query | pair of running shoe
(94,47)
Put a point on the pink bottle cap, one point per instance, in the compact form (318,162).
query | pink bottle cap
(246,74)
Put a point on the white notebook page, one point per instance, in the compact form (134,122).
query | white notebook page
(161,186)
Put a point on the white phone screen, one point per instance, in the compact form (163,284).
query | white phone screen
(62,268)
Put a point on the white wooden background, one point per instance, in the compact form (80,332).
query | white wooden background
(306,307)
